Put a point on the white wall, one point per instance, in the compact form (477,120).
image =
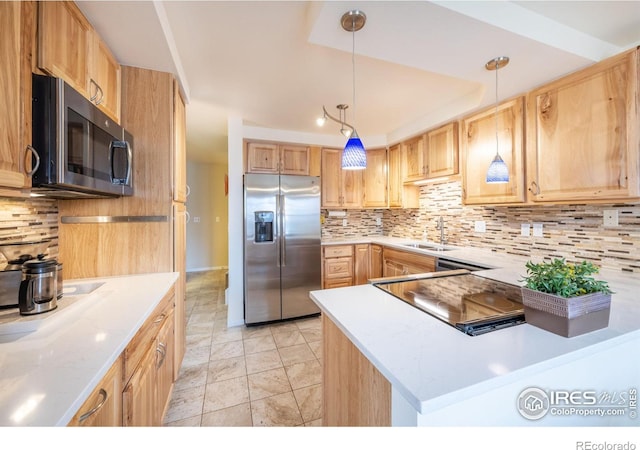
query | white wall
(207,240)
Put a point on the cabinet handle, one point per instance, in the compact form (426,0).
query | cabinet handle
(162,349)
(96,408)
(160,318)
(93,83)
(99,100)
(188,190)
(534,188)
(188,216)
(33,151)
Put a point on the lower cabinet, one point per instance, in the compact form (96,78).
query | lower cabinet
(398,262)
(103,408)
(337,266)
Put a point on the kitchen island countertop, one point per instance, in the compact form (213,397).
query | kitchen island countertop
(433,365)
(49,370)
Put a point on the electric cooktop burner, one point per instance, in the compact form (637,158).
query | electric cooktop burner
(471,303)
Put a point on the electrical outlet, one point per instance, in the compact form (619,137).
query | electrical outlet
(344,222)
(525,229)
(378,221)
(610,217)
(537,230)
(196,219)
(480,226)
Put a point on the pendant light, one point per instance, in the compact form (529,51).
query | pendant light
(354,155)
(498,171)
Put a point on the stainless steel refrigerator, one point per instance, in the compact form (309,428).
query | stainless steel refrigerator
(282,260)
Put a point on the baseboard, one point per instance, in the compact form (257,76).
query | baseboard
(205,269)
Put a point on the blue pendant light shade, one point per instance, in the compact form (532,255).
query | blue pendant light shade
(498,171)
(354,156)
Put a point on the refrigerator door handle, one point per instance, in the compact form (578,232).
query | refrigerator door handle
(276,231)
(283,233)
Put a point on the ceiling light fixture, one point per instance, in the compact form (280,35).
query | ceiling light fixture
(354,156)
(498,171)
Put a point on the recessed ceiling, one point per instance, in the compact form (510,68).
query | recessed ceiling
(417,64)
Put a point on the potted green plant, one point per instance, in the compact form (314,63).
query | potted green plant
(565,298)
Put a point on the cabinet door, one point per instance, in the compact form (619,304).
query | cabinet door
(262,158)
(479,148)
(179,265)
(65,43)
(105,81)
(414,159)
(392,268)
(179,165)
(16,23)
(583,134)
(375,179)
(294,160)
(375,265)
(103,408)
(442,151)
(138,397)
(351,188)
(400,195)
(361,264)
(164,353)
(331,172)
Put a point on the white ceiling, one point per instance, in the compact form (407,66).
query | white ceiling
(417,64)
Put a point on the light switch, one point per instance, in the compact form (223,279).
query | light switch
(480,226)
(344,222)
(610,217)
(537,229)
(525,229)
(378,221)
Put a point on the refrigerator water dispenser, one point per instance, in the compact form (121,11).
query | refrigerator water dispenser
(264,226)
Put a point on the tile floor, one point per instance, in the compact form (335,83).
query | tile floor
(244,376)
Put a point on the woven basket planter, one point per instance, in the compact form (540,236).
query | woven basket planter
(566,317)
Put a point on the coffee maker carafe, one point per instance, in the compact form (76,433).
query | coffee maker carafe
(38,288)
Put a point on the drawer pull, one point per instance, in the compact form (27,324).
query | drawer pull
(162,349)
(160,318)
(96,408)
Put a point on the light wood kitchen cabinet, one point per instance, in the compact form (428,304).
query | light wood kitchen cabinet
(164,353)
(375,264)
(103,408)
(400,195)
(376,179)
(583,133)
(180,266)
(337,266)
(479,149)
(16,38)
(264,157)
(442,151)
(69,48)
(355,393)
(399,262)
(340,188)
(361,262)
(415,158)
(179,167)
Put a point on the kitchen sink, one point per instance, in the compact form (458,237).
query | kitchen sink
(432,247)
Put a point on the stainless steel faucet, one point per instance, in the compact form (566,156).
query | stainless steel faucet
(440,226)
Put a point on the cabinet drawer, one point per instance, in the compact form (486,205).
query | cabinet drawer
(337,251)
(339,282)
(146,336)
(338,268)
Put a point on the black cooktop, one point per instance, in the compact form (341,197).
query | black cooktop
(471,303)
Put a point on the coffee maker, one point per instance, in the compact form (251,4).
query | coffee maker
(38,289)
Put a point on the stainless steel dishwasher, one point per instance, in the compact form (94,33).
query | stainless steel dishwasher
(448,264)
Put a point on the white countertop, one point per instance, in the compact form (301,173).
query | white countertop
(434,365)
(50,363)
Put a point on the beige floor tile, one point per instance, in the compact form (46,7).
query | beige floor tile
(287,338)
(202,317)
(185,404)
(198,340)
(278,410)
(196,356)
(223,394)
(268,383)
(195,329)
(316,348)
(312,322)
(226,335)
(311,335)
(314,423)
(191,376)
(259,344)
(296,354)
(304,374)
(227,350)
(234,416)
(309,401)
(258,331)
(225,369)
(188,422)
(259,362)
(283,326)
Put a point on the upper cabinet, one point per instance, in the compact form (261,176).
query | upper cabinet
(415,159)
(16,36)
(375,179)
(583,140)
(274,158)
(69,48)
(340,188)
(400,195)
(179,166)
(479,149)
(442,151)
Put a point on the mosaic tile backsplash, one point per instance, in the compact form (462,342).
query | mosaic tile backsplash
(575,232)
(27,220)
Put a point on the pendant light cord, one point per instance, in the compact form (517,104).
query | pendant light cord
(353,64)
(496,114)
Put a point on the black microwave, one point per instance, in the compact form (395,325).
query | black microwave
(79,151)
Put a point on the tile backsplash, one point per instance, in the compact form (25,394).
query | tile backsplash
(32,219)
(575,232)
